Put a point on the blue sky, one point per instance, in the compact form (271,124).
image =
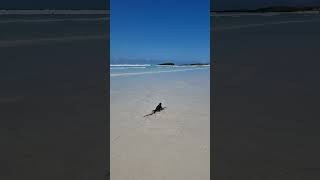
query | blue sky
(148,31)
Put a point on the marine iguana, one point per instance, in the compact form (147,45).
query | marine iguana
(157,109)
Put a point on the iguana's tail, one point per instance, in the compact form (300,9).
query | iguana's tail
(153,112)
(149,114)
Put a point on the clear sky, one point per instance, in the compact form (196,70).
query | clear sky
(149,31)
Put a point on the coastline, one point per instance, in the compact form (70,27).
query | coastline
(133,65)
(144,69)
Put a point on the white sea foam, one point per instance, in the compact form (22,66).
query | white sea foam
(129,65)
(153,72)
(183,66)
(132,67)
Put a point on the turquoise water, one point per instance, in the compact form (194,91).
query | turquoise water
(131,70)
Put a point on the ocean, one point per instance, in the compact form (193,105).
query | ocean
(140,69)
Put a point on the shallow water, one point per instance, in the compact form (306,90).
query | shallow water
(130,70)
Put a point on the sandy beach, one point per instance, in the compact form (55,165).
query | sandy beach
(172,144)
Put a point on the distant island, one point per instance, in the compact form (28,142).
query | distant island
(273,9)
(167,64)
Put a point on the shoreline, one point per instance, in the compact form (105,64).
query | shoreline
(159,65)
(155,72)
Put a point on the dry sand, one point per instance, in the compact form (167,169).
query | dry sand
(173,144)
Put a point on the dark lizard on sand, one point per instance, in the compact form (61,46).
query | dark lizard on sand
(158,109)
